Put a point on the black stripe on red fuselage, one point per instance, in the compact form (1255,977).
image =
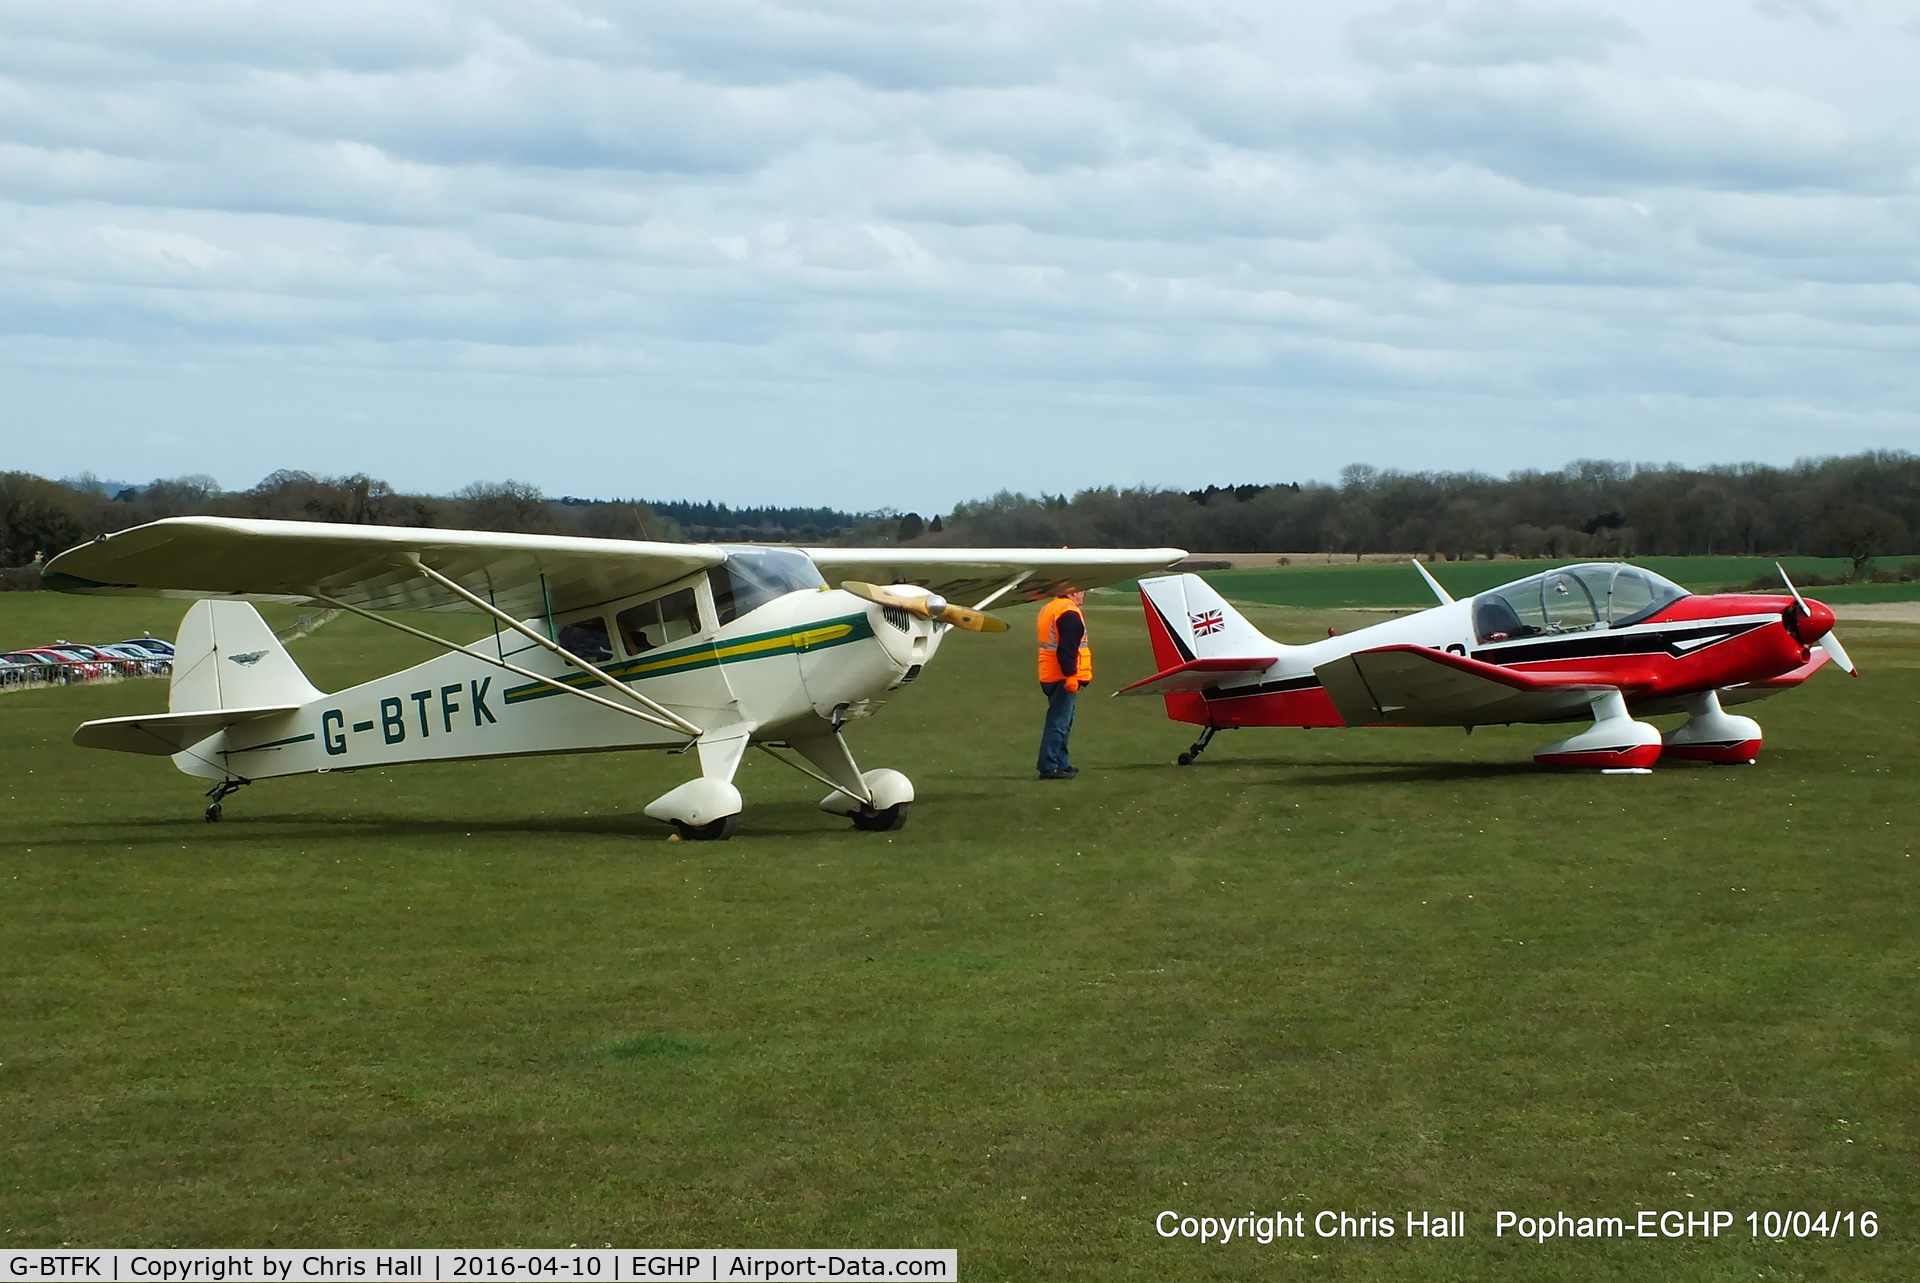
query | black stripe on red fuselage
(1284,701)
(1662,658)
(1676,642)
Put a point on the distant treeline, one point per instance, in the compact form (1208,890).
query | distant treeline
(717,523)
(39,517)
(1860,506)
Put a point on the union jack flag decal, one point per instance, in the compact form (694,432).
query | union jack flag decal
(1206,623)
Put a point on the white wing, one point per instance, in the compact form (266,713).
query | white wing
(368,566)
(977,576)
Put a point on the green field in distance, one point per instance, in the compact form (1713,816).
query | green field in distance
(1373,971)
(1327,586)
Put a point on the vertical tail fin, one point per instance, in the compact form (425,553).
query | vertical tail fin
(227,657)
(1188,620)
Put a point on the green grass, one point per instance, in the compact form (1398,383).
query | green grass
(1369,970)
(1330,586)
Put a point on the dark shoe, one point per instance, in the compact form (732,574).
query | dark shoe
(1067,774)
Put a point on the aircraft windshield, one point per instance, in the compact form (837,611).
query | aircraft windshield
(753,577)
(1572,598)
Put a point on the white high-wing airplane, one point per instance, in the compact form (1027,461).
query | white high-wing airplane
(597,645)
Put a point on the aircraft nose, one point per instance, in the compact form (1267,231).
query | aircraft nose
(1815,623)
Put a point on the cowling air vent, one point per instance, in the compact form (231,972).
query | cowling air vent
(909,675)
(898,618)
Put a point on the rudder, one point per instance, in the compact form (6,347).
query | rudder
(1188,620)
(226,657)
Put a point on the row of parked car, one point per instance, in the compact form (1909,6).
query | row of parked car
(66,662)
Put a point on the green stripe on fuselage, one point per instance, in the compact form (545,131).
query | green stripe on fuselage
(255,748)
(738,650)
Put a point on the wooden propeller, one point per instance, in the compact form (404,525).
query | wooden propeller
(924,605)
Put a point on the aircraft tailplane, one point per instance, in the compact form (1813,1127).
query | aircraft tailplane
(227,657)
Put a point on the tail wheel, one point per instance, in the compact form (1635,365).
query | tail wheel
(889,820)
(1199,746)
(716,831)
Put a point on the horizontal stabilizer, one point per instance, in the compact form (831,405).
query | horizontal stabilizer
(164,734)
(1419,686)
(1196,675)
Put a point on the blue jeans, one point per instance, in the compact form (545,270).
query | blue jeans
(1053,739)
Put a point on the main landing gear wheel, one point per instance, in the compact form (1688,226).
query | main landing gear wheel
(717,831)
(887,820)
(213,813)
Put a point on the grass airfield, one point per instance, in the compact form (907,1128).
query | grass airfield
(1371,971)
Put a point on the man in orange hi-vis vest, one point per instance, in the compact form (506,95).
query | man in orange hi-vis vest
(1066,664)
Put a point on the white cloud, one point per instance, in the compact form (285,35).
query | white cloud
(1489,33)
(950,226)
(167,250)
(1816,11)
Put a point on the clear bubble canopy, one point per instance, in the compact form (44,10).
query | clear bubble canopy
(1595,594)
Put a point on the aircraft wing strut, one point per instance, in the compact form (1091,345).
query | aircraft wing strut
(676,724)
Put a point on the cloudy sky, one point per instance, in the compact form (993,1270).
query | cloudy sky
(888,252)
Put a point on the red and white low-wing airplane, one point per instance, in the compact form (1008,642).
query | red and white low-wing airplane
(1605,641)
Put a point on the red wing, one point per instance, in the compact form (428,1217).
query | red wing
(1419,686)
(1196,675)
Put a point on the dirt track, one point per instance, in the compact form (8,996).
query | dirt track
(1885,612)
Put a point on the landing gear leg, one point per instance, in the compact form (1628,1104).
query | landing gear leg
(1199,746)
(708,809)
(1615,742)
(219,793)
(876,801)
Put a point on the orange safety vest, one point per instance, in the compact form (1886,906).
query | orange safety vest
(1049,630)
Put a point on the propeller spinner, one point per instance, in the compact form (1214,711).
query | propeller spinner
(1822,620)
(925,605)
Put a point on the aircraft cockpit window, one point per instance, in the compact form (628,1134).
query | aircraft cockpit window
(586,638)
(1567,602)
(1509,612)
(752,577)
(660,621)
(1635,594)
(1591,595)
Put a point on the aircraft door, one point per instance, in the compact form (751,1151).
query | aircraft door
(663,636)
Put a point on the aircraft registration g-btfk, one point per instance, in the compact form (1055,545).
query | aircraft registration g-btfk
(597,645)
(1608,642)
